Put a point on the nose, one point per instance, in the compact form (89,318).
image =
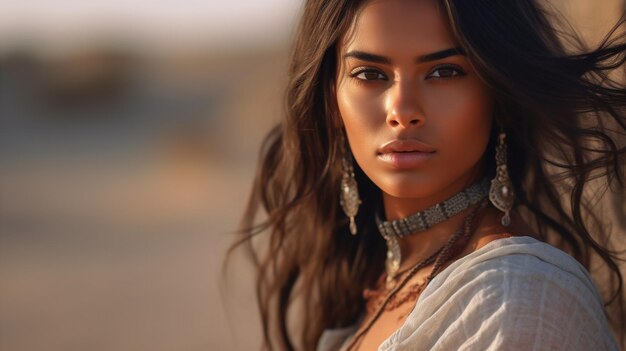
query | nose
(403,106)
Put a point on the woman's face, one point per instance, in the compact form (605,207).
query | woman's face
(416,114)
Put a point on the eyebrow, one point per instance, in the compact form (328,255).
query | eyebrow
(365,56)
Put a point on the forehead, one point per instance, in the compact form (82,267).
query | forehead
(396,27)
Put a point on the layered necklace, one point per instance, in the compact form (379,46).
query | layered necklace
(380,299)
(394,230)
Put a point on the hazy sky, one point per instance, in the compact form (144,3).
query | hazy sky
(166,23)
(153,22)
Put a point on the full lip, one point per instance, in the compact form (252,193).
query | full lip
(405,154)
(405,145)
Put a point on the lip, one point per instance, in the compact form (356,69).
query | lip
(405,145)
(405,153)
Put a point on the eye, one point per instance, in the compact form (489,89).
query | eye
(446,72)
(368,75)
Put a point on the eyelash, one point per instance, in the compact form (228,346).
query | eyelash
(354,74)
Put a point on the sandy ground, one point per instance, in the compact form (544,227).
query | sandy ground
(88,287)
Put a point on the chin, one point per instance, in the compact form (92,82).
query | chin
(408,185)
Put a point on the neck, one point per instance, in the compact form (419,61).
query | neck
(397,207)
(420,245)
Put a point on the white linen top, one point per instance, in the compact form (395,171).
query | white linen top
(514,293)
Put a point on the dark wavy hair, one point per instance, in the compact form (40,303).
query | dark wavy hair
(565,117)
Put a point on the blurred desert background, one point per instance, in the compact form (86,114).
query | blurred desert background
(129,132)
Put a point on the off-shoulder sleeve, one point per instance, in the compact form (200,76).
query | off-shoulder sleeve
(510,302)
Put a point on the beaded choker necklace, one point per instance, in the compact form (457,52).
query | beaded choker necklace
(420,221)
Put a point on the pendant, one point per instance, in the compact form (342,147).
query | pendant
(349,199)
(392,263)
(502,197)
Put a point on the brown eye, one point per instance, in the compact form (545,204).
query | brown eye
(446,72)
(369,75)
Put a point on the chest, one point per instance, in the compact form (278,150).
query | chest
(392,317)
(385,325)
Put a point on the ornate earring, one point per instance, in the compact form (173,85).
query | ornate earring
(349,194)
(501,192)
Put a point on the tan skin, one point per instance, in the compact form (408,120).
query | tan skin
(441,103)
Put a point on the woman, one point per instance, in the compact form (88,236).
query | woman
(425,190)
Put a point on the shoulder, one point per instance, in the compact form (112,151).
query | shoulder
(519,255)
(515,292)
(522,270)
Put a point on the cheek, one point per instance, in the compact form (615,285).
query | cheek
(361,116)
(463,121)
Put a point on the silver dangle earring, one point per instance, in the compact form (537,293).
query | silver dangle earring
(349,194)
(501,192)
